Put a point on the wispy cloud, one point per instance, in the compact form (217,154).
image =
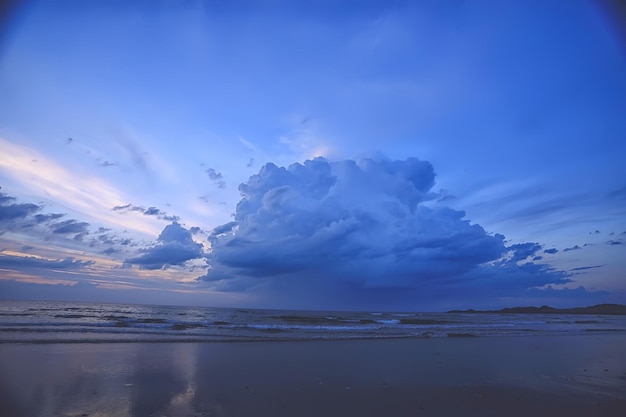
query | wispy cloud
(150,211)
(91,196)
(12,261)
(585,268)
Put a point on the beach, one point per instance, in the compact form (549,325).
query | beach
(456,376)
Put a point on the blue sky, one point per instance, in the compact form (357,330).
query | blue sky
(316,154)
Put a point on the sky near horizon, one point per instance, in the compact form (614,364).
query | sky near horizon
(408,155)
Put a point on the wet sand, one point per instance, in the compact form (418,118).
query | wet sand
(512,376)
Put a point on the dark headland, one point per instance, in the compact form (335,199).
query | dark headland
(614,309)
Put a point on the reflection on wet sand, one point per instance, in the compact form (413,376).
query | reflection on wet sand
(540,376)
(98,380)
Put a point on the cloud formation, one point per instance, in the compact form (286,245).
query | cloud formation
(174,247)
(21,216)
(150,211)
(216,177)
(11,261)
(70,227)
(355,227)
(9,210)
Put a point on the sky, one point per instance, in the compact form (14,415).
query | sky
(378,155)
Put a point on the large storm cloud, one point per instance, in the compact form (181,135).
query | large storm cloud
(362,227)
(175,246)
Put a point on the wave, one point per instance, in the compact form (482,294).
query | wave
(36,322)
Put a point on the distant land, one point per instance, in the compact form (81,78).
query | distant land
(615,309)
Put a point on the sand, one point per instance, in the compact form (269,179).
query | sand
(499,376)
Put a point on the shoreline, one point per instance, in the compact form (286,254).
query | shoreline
(504,375)
(243,340)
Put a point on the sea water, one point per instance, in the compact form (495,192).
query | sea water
(70,322)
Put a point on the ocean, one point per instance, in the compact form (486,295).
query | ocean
(70,322)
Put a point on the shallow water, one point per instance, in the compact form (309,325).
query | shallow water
(49,322)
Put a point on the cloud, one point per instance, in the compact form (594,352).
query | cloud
(524,250)
(216,177)
(11,261)
(110,251)
(614,242)
(175,247)
(349,227)
(225,228)
(551,250)
(213,174)
(575,247)
(150,211)
(21,217)
(11,211)
(70,227)
(106,164)
(43,218)
(584,268)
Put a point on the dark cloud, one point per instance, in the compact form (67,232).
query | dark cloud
(551,250)
(43,218)
(70,227)
(106,164)
(175,247)
(150,211)
(4,199)
(584,268)
(27,248)
(522,251)
(10,261)
(110,251)
(216,177)
(614,242)
(575,247)
(9,210)
(128,207)
(103,237)
(250,163)
(225,228)
(21,217)
(349,228)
